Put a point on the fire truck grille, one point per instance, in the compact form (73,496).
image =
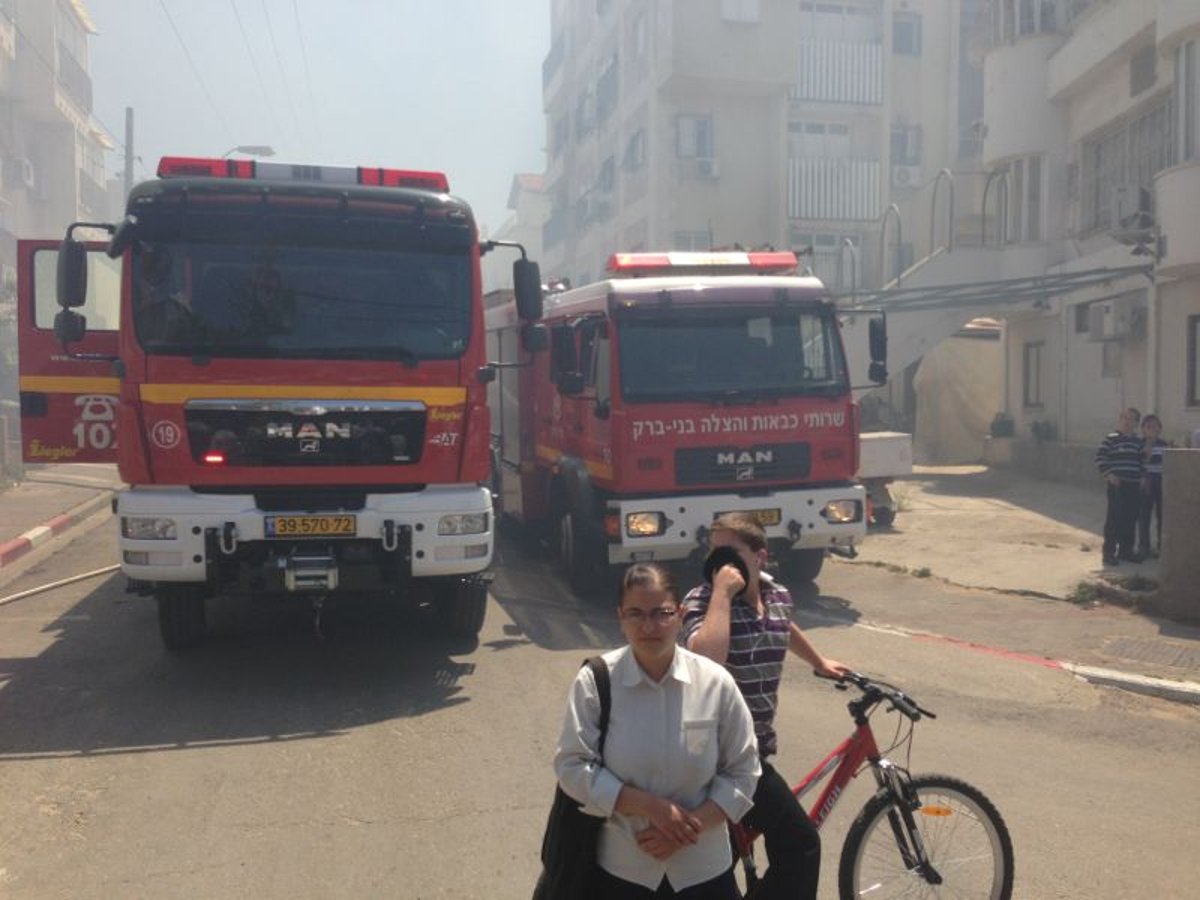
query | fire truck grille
(300,437)
(721,465)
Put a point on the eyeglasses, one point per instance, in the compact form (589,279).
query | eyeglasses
(660,616)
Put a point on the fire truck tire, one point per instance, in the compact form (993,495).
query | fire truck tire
(883,516)
(461,605)
(181,618)
(801,566)
(573,552)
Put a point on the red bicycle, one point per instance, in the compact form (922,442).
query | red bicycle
(919,835)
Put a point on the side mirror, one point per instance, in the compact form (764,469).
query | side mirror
(485,374)
(877,339)
(603,409)
(877,373)
(570,383)
(69,326)
(535,338)
(72,274)
(527,285)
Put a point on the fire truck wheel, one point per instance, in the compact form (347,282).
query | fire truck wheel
(461,605)
(573,553)
(802,565)
(883,516)
(181,617)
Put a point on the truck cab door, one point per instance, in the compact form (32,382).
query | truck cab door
(596,401)
(68,395)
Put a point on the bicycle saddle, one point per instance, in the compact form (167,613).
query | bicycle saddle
(724,556)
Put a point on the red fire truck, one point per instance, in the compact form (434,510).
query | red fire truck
(287,364)
(683,386)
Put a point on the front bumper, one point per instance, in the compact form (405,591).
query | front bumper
(801,523)
(236,522)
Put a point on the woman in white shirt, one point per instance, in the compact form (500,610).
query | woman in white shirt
(680,758)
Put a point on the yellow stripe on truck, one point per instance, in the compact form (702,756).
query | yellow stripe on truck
(181,393)
(69,384)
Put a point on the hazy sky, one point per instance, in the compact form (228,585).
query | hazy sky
(453,85)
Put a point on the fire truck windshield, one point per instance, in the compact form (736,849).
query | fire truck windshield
(301,301)
(729,355)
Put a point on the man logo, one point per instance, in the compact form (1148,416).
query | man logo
(308,430)
(310,445)
(745,473)
(744,457)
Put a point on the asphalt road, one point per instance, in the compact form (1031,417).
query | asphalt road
(384,762)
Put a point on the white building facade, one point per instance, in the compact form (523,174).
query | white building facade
(693,124)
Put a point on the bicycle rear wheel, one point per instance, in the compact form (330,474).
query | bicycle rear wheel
(965,839)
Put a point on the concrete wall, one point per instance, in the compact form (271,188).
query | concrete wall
(1179,593)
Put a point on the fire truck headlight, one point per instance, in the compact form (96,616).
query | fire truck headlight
(148,528)
(645,524)
(463,523)
(841,512)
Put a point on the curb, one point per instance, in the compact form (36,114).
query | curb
(12,550)
(1165,688)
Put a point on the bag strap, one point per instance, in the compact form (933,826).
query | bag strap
(600,672)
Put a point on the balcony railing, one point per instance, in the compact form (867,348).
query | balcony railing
(840,72)
(834,189)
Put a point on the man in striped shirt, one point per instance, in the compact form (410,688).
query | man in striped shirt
(747,626)
(1119,459)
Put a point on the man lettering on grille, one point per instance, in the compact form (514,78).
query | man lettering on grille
(746,625)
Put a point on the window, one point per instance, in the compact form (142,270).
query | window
(635,151)
(1121,161)
(1032,370)
(1193,339)
(739,10)
(906,145)
(1083,318)
(606,89)
(1142,70)
(906,34)
(693,137)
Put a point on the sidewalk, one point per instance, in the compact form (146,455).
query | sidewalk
(51,500)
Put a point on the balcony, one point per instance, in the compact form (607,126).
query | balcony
(74,79)
(93,196)
(839,72)
(834,189)
(1177,193)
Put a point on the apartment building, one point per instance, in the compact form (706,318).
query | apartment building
(1092,117)
(692,124)
(51,149)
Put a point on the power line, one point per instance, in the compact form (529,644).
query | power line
(196,71)
(312,100)
(257,71)
(282,71)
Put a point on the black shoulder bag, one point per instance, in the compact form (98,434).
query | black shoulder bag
(569,844)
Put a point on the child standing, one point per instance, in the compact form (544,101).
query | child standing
(1152,458)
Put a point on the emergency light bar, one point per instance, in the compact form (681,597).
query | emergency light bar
(255,170)
(718,262)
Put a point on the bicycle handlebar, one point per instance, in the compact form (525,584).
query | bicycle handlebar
(880,691)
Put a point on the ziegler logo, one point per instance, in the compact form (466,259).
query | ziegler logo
(308,430)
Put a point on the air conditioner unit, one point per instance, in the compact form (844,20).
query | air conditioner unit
(906,176)
(706,167)
(1116,319)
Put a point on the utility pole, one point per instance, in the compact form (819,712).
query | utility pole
(128,150)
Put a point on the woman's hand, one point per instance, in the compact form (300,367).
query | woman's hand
(657,844)
(676,823)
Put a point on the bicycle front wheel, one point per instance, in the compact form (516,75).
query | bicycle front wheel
(966,844)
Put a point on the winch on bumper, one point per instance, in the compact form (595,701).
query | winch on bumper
(666,528)
(178,535)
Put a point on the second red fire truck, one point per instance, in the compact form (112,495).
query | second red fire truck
(683,386)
